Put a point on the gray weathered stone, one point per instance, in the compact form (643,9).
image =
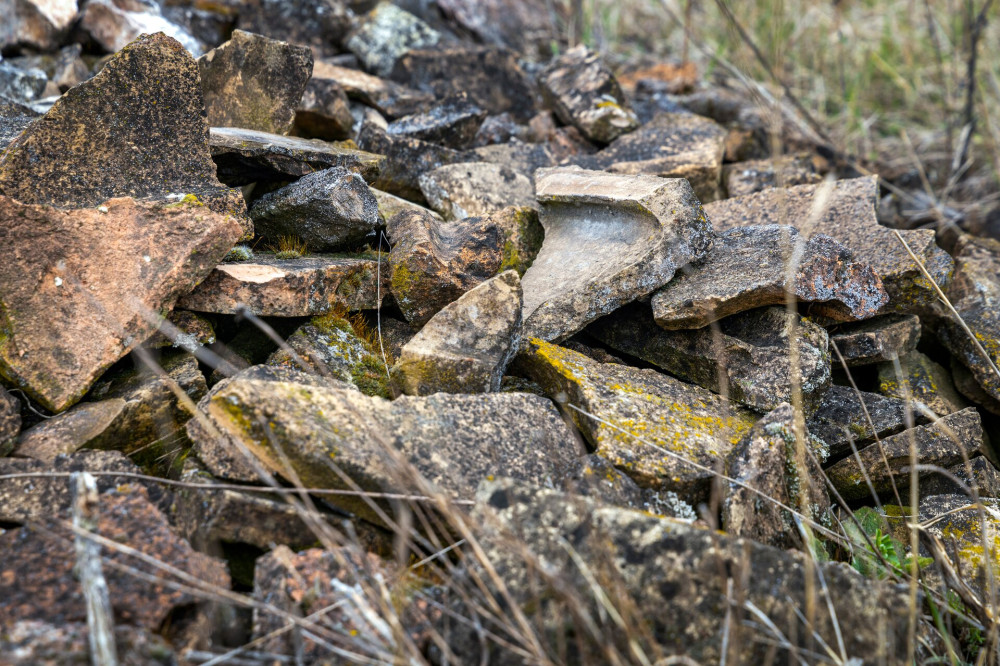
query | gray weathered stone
(391,99)
(182,330)
(742,178)
(329,210)
(10,421)
(840,418)
(319,24)
(471,189)
(523,236)
(528,27)
(390,204)
(30,642)
(89,425)
(967,385)
(254,83)
(114,25)
(466,346)
(585,94)
(406,159)
(876,340)
(943,443)
(21,85)
(609,240)
(14,119)
(749,268)
(452,123)
(385,33)
(967,535)
(922,380)
(980,475)
(39,24)
(651,425)
(64,68)
(525,158)
(302,287)
(750,350)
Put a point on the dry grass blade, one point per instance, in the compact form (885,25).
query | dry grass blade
(100,618)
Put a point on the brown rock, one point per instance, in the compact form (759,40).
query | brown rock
(748,268)
(79,286)
(452,123)
(876,340)
(609,240)
(585,94)
(742,178)
(324,112)
(38,24)
(10,421)
(89,425)
(114,25)
(254,82)
(848,216)
(302,287)
(471,189)
(921,380)
(29,642)
(182,330)
(432,263)
(391,99)
(841,418)
(406,159)
(318,24)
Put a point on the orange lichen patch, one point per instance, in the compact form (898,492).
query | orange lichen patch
(681,77)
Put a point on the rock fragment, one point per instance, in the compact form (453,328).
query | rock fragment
(748,268)
(391,99)
(432,263)
(303,287)
(980,474)
(963,530)
(385,33)
(466,346)
(843,417)
(523,236)
(10,421)
(39,24)
(944,443)
(609,239)
(406,159)
(967,385)
(389,205)
(923,381)
(319,24)
(254,83)
(585,94)
(471,189)
(114,25)
(648,425)
(751,350)
(14,119)
(90,425)
(21,85)
(742,178)
(324,112)
(876,340)
(529,27)
(452,123)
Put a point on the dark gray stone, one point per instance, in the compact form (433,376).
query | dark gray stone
(452,123)
(877,340)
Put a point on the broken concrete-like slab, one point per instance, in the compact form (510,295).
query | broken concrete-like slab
(876,340)
(471,189)
(748,267)
(609,239)
(466,346)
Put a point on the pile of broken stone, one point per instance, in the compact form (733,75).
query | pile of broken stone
(384,256)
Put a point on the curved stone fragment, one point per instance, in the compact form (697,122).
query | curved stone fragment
(748,268)
(647,424)
(943,443)
(302,287)
(876,340)
(609,239)
(751,351)
(925,382)
(471,189)
(466,346)
(848,215)
(254,82)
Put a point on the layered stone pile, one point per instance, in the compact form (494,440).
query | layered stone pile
(386,255)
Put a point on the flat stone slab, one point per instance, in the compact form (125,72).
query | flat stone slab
(923,381)
(876,340)
(254,82)
(466,346)
(471,189)
(751,351)
(302,287)
(246,156)
(942,443)
(840,418)
(650,424)
(848,216)
(452,123)
(80,288)
(390,98)
(609,239)
(748,268)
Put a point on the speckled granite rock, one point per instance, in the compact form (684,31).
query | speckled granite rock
(39,24)
(319,24)
(967,385)
(254,83)
(384,34)
(609,240)
(10,421)
(650,423)
(452,123)
(923,381)
(466,346)
(747,268)
(14,118)
(876,340)
(471,189)
(389,98)
(751,350)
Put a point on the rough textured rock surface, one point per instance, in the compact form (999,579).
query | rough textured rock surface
(319,24)
(650,424)
(750,350)
(89,425)
(247,156)
(768,460)
(922,380)
(14,118)
(389,205)
(39,24)
(466,346)
(302,287)
(943,443)
(38,582)
(78,286)
(452,123)
(30,642)
(609,240)
(963,531)
(584,93)
(137,129)
(10,421)
(848,216)
(471,189)
(841,418)
(385,33)
(980,474)
(391,99)
(21,85)
(254,82)
(529,27)
(967,385)
(432,263)
(324,112)
(742,178)
(677,576)
(523,236)
(748,268)
(114,25)
(452,441)
(329,210)
(876,340)
(406,159)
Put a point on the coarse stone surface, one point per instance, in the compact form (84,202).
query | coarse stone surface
(841,418)
(650,424)
(452,123)
(328,210)
(406,159)
(529,27)
(980,474)
(967,385)
(384,34)
(14,118)
(10,421)
(247,156)
(88,425)
(584,93)
(39,24)
(748,268)
(609,239)
(472,189)
(466,346)
(319,24)
(923,381)
(848,216)
(876,340)
(20,84)
(943,443)
(452,441)
(523,236)
(78,285)
(301,287)
(967,534)
(115,24)
(750,350)
(432,263)
(391,99)
(742,178)
(324,112)
(525,158)
(254,83)
(767,463)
